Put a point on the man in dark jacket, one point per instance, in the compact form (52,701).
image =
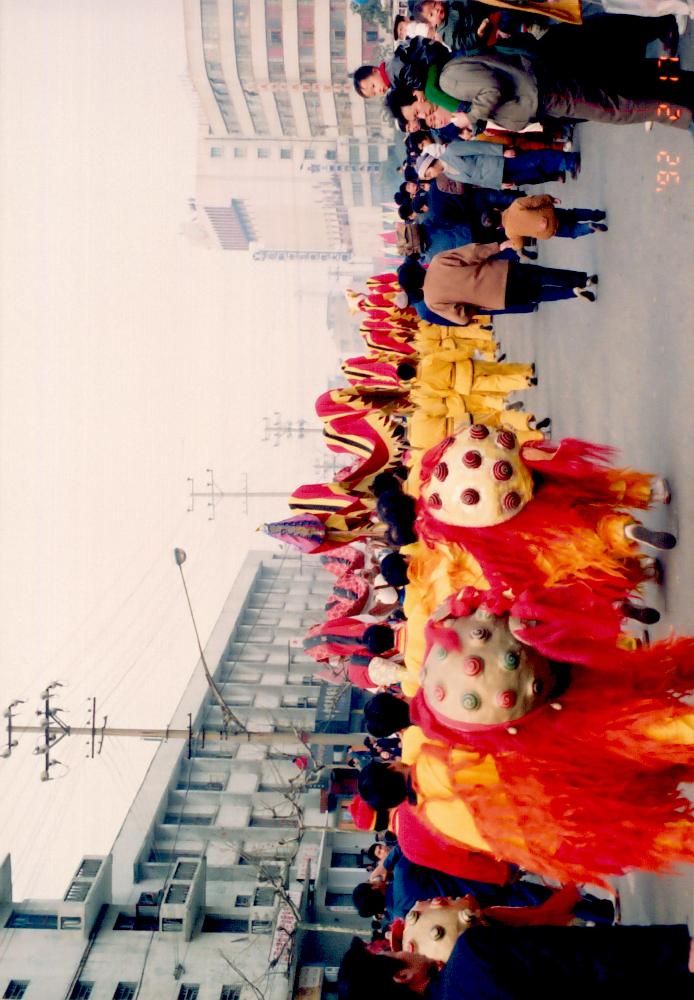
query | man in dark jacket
(406,70)
(530,963)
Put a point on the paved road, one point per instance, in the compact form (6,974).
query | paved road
(621,371)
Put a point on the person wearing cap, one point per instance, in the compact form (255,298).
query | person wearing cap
(491,165)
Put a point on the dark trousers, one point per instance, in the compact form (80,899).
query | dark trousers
(537,166)
(529,283)
(575,222)
(619,96)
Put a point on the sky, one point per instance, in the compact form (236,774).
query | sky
(130,359)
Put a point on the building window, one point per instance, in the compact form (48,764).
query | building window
(177,893)
(82,990)
(309,154)
(268,821)
(189,991)
(240,152)
(16,988)
(276,37)
(77,892)
(339,899)
(171,819)
(262,926)
(125,991)
(33,921)
(216,151)
(156,856)
(263,153)
(264,896)
(242,901)
(230,993)
(344,860)
(150,898)
(330,154)
(70,923)
(371,35)
(185,870)
(89,868)
(172,924)
(215,924)
(285,154)
(130,922)
(199,786)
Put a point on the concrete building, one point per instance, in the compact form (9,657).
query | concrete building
(231,876)
(288,153)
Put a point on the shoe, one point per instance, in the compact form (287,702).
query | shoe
(598,227)
(502,357)
(670,37)
(583,293)
(639,613)
(532,381)
(576,167)
(596,910)
(600,216)
(514,406)
(653,569)
(661,540)
(660,491)
(543,424)
(592,279)
(530,254)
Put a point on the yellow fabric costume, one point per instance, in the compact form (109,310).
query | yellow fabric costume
(437,797)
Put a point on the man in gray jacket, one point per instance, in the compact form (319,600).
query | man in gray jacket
(513,91)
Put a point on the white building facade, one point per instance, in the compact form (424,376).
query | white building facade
(287,151)
(232,874)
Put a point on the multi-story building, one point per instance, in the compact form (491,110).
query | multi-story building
(232,873)
(288,153)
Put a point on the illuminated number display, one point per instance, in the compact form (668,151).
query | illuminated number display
(664,177)
(667,174)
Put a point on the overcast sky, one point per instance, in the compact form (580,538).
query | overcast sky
(130,360)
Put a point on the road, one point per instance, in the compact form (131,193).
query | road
(621,371)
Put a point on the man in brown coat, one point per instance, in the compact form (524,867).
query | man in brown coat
(468,280)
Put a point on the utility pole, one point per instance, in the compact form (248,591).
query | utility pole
(278,427)
(54,729)
(327,467)
(213,494)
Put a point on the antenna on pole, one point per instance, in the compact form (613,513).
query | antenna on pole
(211,488)
(11,744)
(54,730)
